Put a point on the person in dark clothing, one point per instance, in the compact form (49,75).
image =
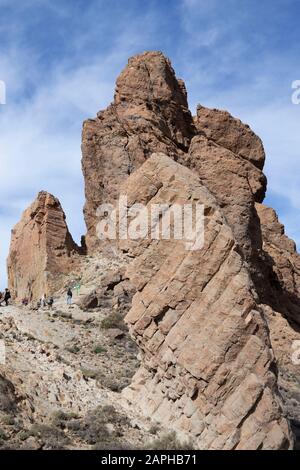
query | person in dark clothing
(7,296)
(69,296)
(50,302)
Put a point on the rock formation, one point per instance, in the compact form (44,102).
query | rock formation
(149,114)
(42,250)
(282,312)
(208,367)
(215,326)
(231,134)
(229,158)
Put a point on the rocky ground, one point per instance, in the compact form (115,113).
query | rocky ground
(65,368)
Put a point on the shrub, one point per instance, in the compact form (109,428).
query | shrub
(99,349)
(23,435)
(50,437)
(93,429)
(65,315)
(113,320)
(169,441)
(8,420)
(3,436)
(154,428)
(60,417)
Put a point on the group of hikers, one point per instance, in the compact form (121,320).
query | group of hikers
(48,301)
(5,297)
(43,302)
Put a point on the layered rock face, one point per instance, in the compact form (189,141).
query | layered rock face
(42,250)
(201,319)
(284,263)
(282,312)
(229,159)
(208,367)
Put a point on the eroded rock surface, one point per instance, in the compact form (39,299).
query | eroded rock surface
(42,250)
(149,114)
(230,133)
(283,309)
(207,367)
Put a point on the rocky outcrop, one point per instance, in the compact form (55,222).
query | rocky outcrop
(283,309)
(149,114)
(188,380)
(235,182)
(8,399)
(284,264)
(230,133)
(207,367)
(115,291)
(42,250)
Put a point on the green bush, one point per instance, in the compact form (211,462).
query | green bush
(59,418)
(99,349)
(49,436)
(3,436)
(93,431)
(8,420)
(23,435)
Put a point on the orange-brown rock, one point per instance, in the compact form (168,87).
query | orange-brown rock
(284,262)
(149,114)
(42,250)
(283,309)
(207,363)
(231,134)
(235,182)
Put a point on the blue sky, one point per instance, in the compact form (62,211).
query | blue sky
(60,59)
